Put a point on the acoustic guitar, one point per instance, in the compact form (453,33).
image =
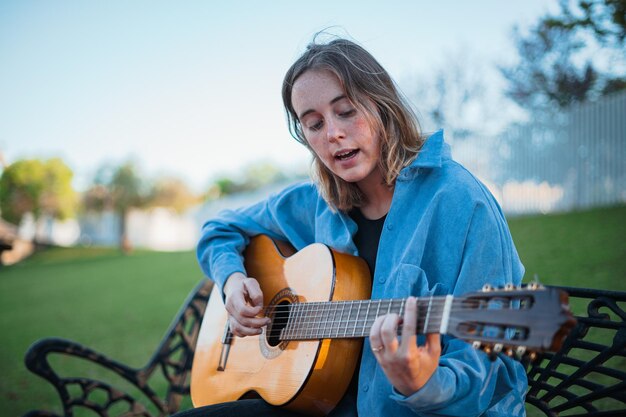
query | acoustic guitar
(319,306)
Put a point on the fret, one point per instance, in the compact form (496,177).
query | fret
(323,321)
(353,316)
(350,306)
(356,320)
(293,321)
(348,320)
(341,319)
(430,302)
(331,320)
(318,318)
(311,321)
(306,320)
(300,323)
(445,315)
(325,314)
(316,321)
(297,321)
(335,321)
(366,326)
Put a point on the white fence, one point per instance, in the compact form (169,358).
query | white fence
(565,161)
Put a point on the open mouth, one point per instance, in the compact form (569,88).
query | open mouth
(346,154)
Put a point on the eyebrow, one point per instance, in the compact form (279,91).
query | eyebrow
(333,101)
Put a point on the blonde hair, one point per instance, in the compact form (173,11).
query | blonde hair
(370,88)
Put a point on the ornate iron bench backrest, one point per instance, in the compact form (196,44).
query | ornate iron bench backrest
(587,376)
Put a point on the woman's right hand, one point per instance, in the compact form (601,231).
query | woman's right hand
(244,303)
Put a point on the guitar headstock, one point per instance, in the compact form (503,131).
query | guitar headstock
(516,321)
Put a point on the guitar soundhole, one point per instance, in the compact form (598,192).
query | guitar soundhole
(279,316)
(278,311)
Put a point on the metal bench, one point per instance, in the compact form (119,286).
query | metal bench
(586,377)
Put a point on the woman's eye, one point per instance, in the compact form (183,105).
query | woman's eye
(316,126)
(348,113)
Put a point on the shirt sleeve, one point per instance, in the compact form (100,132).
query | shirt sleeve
(467,381)
(224,238)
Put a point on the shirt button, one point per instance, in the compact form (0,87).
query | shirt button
(366,388)
(381,280)
(389,226)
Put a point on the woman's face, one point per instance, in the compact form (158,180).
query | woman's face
(338,132)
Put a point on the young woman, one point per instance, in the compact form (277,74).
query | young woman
(422,222)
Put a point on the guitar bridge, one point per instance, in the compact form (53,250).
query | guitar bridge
(227,338)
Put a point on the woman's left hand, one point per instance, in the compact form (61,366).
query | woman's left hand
(407,365)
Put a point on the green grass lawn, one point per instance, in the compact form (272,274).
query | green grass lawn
(122,305)
(580,249)
(118,305)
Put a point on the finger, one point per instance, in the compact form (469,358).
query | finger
(389,332)
(375,341)
(238,329)
(409,323)
(433,344)
(252,322)
(237,306)
(253,291)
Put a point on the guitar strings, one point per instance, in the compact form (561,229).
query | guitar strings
(362,330)
(309,319)
(317,309)
(339,311)
(362,327)
(322,305)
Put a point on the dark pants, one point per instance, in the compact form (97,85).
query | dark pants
(241,408)
(259,408)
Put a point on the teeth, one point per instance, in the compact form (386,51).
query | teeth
(346,154)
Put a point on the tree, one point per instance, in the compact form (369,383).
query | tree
(253,177)
(458,97)
(39,187)
(126,192)
(120,189)
(173,193)
(575,56)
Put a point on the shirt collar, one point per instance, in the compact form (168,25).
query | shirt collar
(432,154)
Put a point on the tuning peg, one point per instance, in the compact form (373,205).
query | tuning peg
(487,288)
(535,286)
(509,287)
(519,352)
(509,353)
(497,348)
(476,344)
(532,356)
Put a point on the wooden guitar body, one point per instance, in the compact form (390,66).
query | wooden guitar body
(309,376)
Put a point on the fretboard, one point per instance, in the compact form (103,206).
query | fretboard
(349,319)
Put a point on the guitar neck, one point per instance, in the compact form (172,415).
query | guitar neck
(351,319)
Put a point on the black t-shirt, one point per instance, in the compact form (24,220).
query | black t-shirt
(367,236)
(366,240)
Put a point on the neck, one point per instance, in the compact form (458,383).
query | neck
(378,196)
(347,319)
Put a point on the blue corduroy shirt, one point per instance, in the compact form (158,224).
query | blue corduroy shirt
(444,234)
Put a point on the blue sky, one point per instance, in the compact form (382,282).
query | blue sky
(192,88)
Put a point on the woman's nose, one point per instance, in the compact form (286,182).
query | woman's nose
(334,130)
